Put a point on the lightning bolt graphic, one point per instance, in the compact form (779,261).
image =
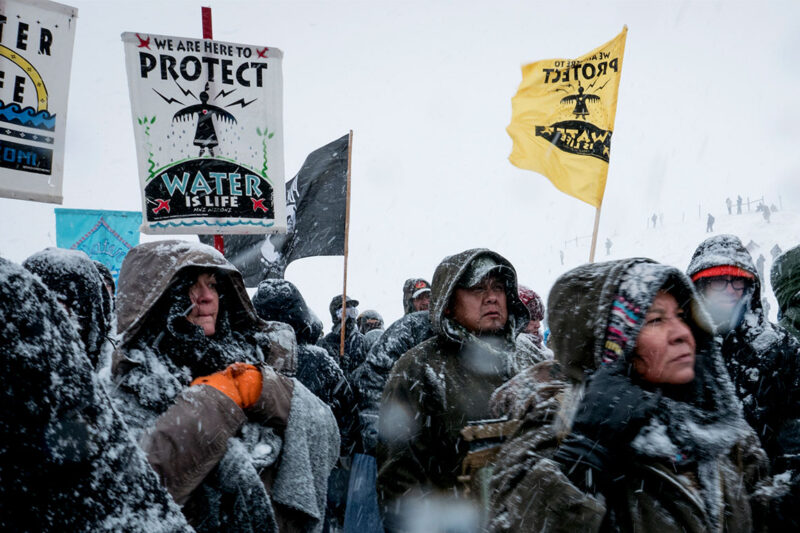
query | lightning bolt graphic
(186,92)
(223,93)
(167,100)
(242,103)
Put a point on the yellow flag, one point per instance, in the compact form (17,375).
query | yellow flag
(563,117)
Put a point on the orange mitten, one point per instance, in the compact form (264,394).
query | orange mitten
(224,382)
(248,381)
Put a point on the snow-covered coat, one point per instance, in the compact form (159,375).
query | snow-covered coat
(763,360)
(785,278)
(281,301)
(440,385)
(265,468)
(354,352)
(369,379)
(693,468)
(530,351)
(67,461)
(78,285)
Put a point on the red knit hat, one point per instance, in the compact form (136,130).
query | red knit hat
(532,301)
(723,270)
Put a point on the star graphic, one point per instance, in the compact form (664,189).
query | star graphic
(259,204)
(162,204)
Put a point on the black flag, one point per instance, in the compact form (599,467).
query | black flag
(315,208)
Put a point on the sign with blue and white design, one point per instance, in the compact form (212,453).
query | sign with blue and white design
(36,39)
(208,123)
(105,236)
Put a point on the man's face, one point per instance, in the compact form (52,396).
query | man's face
(422,302)
(205,303)
(482,307)
(722,294)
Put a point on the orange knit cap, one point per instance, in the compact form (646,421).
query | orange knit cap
(723,270)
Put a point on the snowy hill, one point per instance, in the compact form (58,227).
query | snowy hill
(673,243)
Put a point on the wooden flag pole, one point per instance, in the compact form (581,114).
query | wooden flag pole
(208,33)
(346,239)
(594,233)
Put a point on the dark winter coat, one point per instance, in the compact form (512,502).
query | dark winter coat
(785,277)
(695,465)
(264,468)
(281,301)
(369,379)
(763,360)
(67,461)
(354,353)
(73,277)
(439,386)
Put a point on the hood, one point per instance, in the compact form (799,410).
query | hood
(446,278)
(149,270)
(722,250)
(595,311)
(785,278)
(77,283)
(281,301)
(369,314)
(411,288)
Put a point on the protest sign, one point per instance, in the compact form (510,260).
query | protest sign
(208,123)
(36,39)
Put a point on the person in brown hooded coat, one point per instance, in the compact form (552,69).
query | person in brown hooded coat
(204,384)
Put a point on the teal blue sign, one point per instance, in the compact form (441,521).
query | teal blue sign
(105,236)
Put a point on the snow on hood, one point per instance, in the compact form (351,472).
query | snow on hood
(71,461)
(728,250)
(79,286)
(582,301)
(281,300)
(150,268)
(446,278)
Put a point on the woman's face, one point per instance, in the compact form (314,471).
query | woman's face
(665,348)
(205,300)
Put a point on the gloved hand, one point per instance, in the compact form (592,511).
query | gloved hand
(612,412)
(241,382)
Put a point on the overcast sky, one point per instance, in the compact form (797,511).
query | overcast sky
(707,109)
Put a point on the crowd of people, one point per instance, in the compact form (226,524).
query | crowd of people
(641,398)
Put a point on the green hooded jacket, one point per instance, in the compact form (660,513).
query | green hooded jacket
(440,385)
(785,277)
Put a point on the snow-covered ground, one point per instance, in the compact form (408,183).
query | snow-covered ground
(674,242)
